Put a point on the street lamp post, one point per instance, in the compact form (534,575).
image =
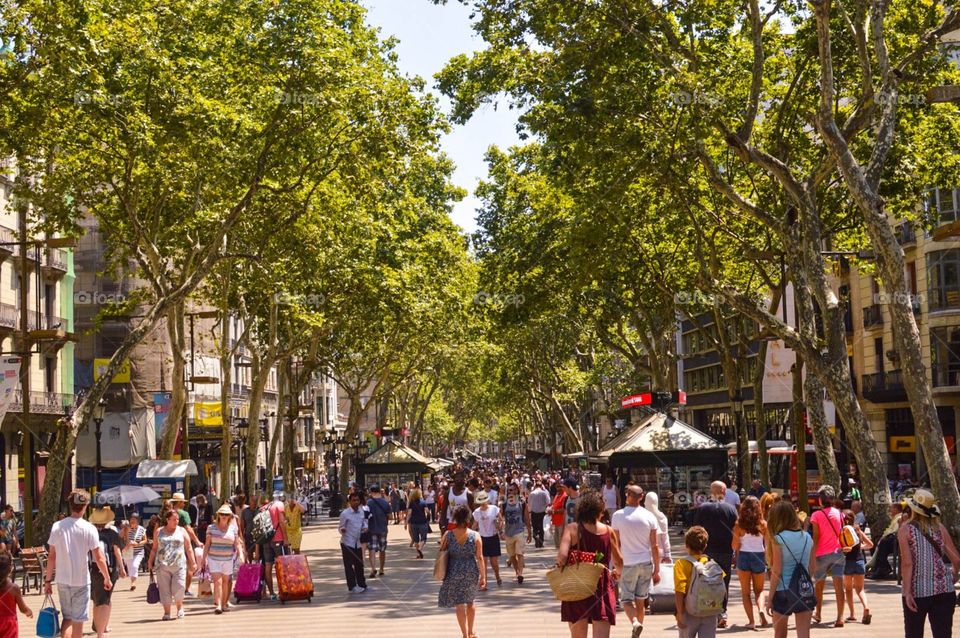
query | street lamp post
(98,413)
(338,446)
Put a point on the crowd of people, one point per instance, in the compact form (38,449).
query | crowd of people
(784,559)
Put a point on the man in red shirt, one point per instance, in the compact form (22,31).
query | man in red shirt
(278,545)
(558,515)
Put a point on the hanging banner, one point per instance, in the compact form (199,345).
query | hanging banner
(208,415)
(122,375)
(9,382)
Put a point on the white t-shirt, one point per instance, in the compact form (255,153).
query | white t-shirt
(487,520)
(453,500)
(73,539)
(634,525)
(609,497)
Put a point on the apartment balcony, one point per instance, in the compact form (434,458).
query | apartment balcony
(945,375)
(943,297)
(873,316)
(884,387)
(43,402)
(905,234)
(8,247)
(54,265)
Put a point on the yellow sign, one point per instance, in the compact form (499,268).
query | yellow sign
(902,444)
(122,375)
(207,415)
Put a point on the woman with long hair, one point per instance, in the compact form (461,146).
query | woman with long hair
(588,534)
(748,544)
(465,570)
(766,502)
(791,548)
(925,550)
(855,568)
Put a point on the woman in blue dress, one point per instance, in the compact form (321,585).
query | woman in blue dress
(465,571)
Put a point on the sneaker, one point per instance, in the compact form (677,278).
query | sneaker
(217,610)
(180,614)
(188,594)
(358,589)
(637,630)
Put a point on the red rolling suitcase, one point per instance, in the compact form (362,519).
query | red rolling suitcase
(293,578)
(249,585)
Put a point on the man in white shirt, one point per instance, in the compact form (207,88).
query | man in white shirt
(638,529)
(538,502)
(71,540)
(609,494)
(353,522)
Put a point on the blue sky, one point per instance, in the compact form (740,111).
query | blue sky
(429,35)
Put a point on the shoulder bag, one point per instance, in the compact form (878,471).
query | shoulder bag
(575,582)
(440,564)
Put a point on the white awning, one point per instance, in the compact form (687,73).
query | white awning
(152,469)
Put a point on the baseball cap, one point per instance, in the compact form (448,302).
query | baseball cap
(571,483)
(375,489)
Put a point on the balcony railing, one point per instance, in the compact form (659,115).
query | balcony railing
(882,387)
(945,375)
(942,297)
(873,316)
(9,316)
(56,259)
(46,322)
(905,234)
(42,402)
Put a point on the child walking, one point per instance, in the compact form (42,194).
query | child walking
(10,600)
(691,626)
(854,569)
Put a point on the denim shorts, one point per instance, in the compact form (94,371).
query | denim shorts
(635,582)
(754,562)
(830,564)
(785,603)
(74,602)
(854,568)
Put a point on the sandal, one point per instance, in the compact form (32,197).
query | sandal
(764,623)
(838,623)
(866,617)
(850,619)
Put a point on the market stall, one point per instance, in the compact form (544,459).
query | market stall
(665,455)
(396,463)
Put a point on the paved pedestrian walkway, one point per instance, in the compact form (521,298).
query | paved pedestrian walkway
(404,604)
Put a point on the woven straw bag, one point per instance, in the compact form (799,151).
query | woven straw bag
(575,582)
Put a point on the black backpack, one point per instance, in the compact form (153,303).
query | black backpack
(800,590)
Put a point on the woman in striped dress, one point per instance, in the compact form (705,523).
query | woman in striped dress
(223,547)
(134,550)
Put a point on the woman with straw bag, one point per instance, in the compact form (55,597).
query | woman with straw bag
(588,541)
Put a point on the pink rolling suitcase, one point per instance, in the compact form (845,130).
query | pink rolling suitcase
(249,585)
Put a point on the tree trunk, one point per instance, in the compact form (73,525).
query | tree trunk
(178,388)
(259,375)
(913,370)
(278,426)
(50,497)
(800,436)
(226,378)
(822,443)
(289,433)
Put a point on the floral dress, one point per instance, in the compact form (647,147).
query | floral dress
(463,575)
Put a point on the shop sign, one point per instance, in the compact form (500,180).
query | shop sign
(902,444)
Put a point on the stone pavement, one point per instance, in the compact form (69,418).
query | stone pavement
(403,604)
